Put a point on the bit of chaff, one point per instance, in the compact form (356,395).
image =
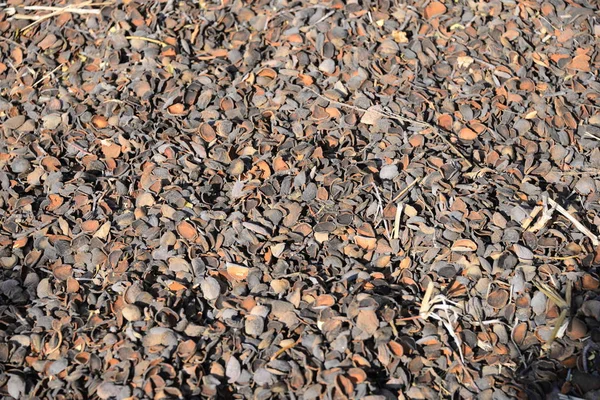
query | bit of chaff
(429,304)
(145,39)
(527,221)
(54,11)
(563,304)
(401,119)
(577,224)
(406,189)
(546,216)
(552,294)
(396,230)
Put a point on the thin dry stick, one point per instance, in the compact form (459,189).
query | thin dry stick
(577,224)
(155,41)
(527,221)
(546,216)
(552,294)
(380,209)
(47,75)
(558,324)
(425,308)
(452,332)
(588,134)
(589,172)
(396,230)
(556,257)
(13,42)
(406,189)
(72,9)
(284,349)
(55,13)
(398,118)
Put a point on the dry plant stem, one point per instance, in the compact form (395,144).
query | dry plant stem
(47,75)
(527,221)
(546,216)
(409,318)
(558,324)
(555,257)
(283,350)
(425,306)
(13,42)
(396,230)
(55,13)
(406,189)
(577,224)
(551,294)
(60,339)
(452,332)
(380,210)
(155,41)
(401,119)
(72,9)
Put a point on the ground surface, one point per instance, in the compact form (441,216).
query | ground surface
(287,199)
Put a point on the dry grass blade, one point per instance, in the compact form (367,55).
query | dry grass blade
(449,326)
(283,350)
(425,309)
(527,221)
(72,8)
(401,119)
(558,324)
(567,397)
(396,230)
(556,257)
(47,75)
(546,216)
(428,304)
(577,224)
(406,189)
(552,294)
(145,39)
(55,11)
(380,211)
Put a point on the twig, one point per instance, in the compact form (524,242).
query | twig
(527,221)
(323,18)
(452,332)
(406,189)
(72,9)
(380,208)
(58,11)
(485,63)
(47,75)
(592,135)
(555,257)
(396,230)
(398,118)
(552,294)
(558,324)
(415,317)
(546,216)
(577,224)
(155,41)
(13,42)
(590,172)
(284,349)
